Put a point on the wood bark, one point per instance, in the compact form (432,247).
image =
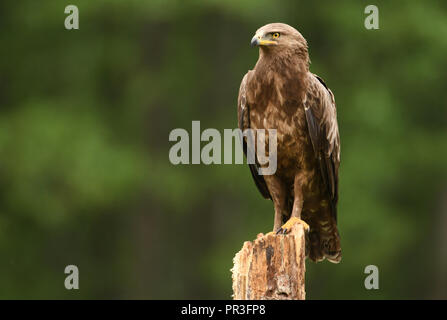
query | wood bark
(271,267)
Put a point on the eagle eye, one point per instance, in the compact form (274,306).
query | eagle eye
(275,35)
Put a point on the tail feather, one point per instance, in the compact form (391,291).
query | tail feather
(315,253)
(324,243)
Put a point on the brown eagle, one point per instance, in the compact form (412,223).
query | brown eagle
(281,93)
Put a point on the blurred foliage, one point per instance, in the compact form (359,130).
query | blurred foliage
(85,117)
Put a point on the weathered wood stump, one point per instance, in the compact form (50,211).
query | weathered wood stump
(272,267)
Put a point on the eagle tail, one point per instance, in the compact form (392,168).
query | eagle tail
(324,242)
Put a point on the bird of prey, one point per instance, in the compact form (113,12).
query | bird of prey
(281,93)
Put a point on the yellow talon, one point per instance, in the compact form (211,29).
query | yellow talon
(286,227)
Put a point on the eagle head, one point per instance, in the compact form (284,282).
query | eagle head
(279,37)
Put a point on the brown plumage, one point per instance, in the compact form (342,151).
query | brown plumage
(280,93)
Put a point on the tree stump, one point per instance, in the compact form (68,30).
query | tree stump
(271,267)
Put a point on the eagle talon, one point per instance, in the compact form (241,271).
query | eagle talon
(280,230)
(290,223)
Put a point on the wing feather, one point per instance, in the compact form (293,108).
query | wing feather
(321,116)
(243,111)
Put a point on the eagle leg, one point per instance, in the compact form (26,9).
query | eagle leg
(278,194)
(298,201)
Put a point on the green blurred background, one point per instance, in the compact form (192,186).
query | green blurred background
(85,117)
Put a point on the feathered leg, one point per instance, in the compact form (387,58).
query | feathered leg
(279,197)
(297,206)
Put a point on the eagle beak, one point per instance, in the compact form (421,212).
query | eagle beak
(254,41)
(257,40)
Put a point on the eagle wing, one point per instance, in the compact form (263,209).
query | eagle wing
(243,113)
(321,116)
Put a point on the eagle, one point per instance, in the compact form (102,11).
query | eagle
(281,93)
